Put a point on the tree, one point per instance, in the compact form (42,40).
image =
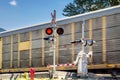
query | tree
(82,6)
(114,2)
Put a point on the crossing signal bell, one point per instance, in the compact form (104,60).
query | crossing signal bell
(59,31)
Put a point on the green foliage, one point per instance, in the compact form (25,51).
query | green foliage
(82,6)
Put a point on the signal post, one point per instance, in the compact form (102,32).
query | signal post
(53,30)
(81,60)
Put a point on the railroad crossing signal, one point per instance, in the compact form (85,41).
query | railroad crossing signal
(60,31)
(49,38)
(90,42)
(53,30)
(84,42)
(82,56)
(49,31)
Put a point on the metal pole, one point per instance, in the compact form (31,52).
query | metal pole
(54,53)
(83,35)
(84,60)
(53,22)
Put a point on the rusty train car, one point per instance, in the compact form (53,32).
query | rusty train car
(23,48)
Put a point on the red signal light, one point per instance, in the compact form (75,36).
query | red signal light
(49,31)
(60,31)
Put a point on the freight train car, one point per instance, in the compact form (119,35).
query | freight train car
(24,48)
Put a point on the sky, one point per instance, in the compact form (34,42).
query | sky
(22,13)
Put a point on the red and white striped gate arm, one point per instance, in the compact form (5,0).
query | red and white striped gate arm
(62,65)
